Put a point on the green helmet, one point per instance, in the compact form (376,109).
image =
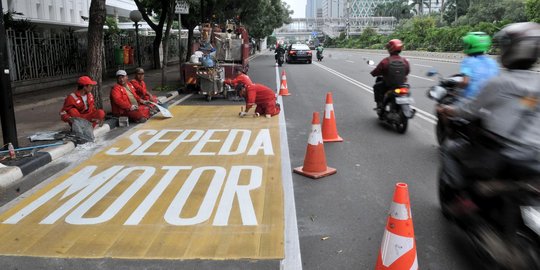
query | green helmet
(476,42)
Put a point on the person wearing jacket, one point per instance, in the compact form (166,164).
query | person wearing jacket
(477,68)
(240,77)
(81,104)
(141,90)
(508,108)
(261,96)
(393,70)
(140,86)
(126,102)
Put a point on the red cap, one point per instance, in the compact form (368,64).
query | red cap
(85,80)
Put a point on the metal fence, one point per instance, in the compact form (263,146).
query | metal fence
(34,55)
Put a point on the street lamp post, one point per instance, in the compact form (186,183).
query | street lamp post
(136,17)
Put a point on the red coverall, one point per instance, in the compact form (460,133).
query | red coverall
(74,107)
(242,78)
(264,98)
(121,105)
(140,88)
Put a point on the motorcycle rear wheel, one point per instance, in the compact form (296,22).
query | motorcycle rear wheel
(446,195)
(401,127)
(440,131)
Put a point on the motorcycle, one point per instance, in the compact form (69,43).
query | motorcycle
(319,56)
(280,58)
(395,109)
(447,92)
(500,214)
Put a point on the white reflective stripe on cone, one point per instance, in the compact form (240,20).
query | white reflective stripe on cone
(327,110)
(394,246)
(399,211)
(315,138)
(283,86)
(415,263)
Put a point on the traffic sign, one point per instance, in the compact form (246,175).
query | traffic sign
(182,7)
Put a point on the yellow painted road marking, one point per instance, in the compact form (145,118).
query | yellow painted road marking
(202,185)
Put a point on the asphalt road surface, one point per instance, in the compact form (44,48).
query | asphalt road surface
(341,218)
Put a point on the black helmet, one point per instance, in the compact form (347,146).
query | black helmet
(519,44)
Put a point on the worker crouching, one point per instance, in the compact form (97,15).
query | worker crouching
(80,104)
(261,96)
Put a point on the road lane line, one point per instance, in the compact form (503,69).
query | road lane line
(349,61)
(293,259)
(422,65)
(180,100)
(421,113)
(421,78)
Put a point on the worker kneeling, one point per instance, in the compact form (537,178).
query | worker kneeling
(262,96)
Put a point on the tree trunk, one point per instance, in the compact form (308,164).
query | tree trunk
(170,18)
(189,43)
(95,56)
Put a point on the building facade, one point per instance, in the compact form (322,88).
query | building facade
(313,7)
(60,14)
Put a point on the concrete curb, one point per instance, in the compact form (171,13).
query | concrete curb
(10,175)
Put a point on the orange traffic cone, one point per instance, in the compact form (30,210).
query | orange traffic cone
(283,91)
(329,129)
(315,160)
(398,248)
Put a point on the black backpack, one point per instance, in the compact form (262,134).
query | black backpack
(397,73)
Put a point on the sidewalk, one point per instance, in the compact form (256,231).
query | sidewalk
(39,111)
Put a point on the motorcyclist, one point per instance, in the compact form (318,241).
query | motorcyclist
(319,50)
(508,107)
(280,50)
(393,69)
(476,67)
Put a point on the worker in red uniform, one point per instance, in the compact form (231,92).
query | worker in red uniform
(240,77)
(126,102)
(263,97)
(81,104)
(140,87)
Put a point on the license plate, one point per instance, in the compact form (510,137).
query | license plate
(301,53)
(404,100)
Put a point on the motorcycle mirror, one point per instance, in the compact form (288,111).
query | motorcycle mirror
(432,73)
(371,62)
(436,93)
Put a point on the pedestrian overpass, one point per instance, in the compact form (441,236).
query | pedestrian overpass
(305,28)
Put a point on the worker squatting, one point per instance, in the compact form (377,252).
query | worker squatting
(86,188)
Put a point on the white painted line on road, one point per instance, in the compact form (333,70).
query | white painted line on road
(349,61)
(277,79)
(422,65)
(181,100)
(293,259)
(421,78)
(419,112)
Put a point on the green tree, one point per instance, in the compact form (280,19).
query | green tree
(494,11)
(453,9)
(399,9)
(17,25)
(532,10)
(158,8)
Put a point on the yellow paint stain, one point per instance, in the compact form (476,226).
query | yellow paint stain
(154,237)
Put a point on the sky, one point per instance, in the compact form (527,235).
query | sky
(298,6)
